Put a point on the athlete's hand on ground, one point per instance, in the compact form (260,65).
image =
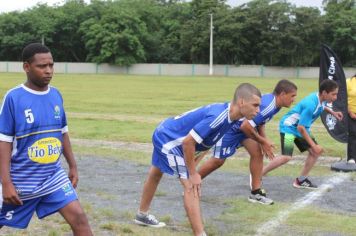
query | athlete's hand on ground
(338,115)
(9,194)
(73,176)
(268,148)
(195,181)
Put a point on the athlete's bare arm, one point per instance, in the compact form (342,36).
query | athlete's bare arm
(68,154)
(9,193)
(259,136)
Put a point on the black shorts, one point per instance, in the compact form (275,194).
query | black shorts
(288,141)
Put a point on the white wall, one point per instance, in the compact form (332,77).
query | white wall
(181,70)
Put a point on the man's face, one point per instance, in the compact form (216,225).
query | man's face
(40,69)
(332,96)
(250,107)
(288,98)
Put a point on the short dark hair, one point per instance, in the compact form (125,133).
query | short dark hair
(284,86)
(328,86)
(246,91)
(31,49)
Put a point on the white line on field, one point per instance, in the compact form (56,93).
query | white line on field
(269,226)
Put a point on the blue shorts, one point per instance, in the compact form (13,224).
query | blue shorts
(20,216)
(227,145)
(169,161)
(170,164)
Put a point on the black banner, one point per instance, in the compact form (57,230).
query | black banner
(331,68)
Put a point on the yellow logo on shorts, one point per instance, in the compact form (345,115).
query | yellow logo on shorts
(46,150)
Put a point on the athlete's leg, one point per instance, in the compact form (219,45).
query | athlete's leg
(192,208)
(210,165)
(256,162)
(73,213)
(287,147)
(310,162)
(275,163)
(149,188)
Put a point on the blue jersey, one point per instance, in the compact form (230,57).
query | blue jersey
(268,109)
(226,147)
(304,114)
(205,124)
(34,122)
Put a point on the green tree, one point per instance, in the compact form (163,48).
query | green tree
(195,32)
(20,28)
(67,44)
(340,29)
(115,37)
(305,36)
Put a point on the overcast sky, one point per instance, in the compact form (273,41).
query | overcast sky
(13,5)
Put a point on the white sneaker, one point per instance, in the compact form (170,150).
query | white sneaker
(351,161)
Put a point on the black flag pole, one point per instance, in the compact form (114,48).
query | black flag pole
(331,68)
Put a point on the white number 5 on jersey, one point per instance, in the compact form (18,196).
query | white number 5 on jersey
(29,116)
(9,215)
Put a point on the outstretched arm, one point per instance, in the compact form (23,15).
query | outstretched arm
(337,114)
(68,154)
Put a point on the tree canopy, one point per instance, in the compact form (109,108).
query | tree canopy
(124,32)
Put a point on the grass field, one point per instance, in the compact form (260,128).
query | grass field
(127,108)
(117,107)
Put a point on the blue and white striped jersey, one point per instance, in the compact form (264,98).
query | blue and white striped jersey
(233,138)
(268,109)
(205,124)
(34,122)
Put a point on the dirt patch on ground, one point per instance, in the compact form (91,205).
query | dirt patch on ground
(147,147)
(110,189)
(107,183)
(119,117)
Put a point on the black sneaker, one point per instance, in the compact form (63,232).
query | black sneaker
(304,184)
(148,220)
(261,198)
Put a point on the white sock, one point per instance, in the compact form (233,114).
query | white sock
(142,212)
(203,234)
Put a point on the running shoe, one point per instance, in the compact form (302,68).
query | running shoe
(304,184)
(148,220)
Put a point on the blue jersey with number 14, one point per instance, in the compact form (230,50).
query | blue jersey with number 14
(232,140)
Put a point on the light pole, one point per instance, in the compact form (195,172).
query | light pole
(211,71)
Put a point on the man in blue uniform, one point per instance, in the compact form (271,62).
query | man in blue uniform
(295,129)
(33,135)
(178,139)
(251,135)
